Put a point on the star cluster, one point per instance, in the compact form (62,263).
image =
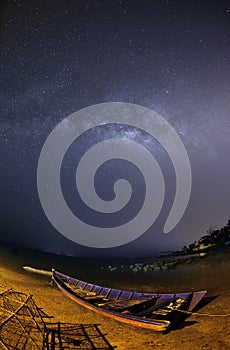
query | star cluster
(60,56)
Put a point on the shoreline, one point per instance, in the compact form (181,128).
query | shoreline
(166,262)
(195,333)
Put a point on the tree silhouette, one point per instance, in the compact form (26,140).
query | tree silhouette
(214,237)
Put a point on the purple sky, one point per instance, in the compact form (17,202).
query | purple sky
(172,57)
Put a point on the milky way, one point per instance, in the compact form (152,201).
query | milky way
(170,56)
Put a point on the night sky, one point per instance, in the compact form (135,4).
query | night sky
(58,57)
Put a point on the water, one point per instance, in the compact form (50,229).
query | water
(211,273)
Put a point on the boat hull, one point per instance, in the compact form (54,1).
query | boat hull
(143,310)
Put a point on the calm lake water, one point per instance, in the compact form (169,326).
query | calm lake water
(211,273)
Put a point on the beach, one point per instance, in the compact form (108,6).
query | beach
(197,332)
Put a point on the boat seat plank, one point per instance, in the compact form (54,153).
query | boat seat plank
(80,291)
(130,306)
(160,303)
(94,298)
(118,306)
(164,299)
(84,294)
(146,310)
(170,309)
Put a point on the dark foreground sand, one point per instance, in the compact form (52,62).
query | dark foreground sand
(198,332)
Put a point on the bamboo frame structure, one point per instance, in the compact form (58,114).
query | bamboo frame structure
(23,325)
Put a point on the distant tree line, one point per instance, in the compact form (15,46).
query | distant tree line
(214,237)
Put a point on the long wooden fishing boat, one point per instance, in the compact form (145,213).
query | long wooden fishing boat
(146,310)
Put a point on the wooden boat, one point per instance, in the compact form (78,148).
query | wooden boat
(146,310)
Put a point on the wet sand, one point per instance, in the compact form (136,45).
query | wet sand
(197,332)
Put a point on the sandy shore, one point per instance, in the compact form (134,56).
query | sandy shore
(197,332)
